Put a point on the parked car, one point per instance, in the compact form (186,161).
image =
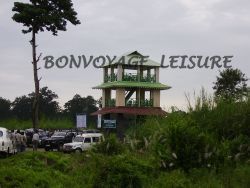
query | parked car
(57,140)
(6,144)
(43,136)
(90,131)
(83,142)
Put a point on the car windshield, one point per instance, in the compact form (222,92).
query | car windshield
(78,139)
(59,134)
(1,133)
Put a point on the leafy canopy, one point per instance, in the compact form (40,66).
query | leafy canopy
(5,106)
(231,84)
(49,107)
(40,15)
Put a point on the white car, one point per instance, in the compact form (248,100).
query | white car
(6,144)
(83,142)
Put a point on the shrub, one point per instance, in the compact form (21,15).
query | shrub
(173,179)
(122,171)
(111,146)
(183,145)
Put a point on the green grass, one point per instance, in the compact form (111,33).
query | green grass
(53,169)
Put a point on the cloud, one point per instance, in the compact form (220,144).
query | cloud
(178,27)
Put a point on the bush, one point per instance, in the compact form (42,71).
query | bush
(121,171)
(174,179)
(35,170)
(111,146)
(182,145)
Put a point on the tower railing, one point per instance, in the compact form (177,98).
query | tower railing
(131,103)
(137,78)
(110,77)
(131,78)
(143,103)
(110,103)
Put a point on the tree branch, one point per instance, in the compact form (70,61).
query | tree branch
(38,57)
(31,41)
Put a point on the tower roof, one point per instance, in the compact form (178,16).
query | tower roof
(127,84)
(145,111)
(125,59)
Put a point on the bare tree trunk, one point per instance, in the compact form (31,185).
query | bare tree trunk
(35,106)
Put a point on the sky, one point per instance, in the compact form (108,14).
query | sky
(111,27)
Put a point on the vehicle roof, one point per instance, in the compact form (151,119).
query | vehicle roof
(32,129)
(3,129)
(90,135)
(60,132)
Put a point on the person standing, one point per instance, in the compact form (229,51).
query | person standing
(35,140)
(13,139)
(23,141)
(18,141)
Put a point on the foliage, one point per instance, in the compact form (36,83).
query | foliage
(121,171)
(210,135)
(174,179)
(78,104)
(49,107)
(231,84)
(53,169)
(111,146)
(225,120)
(5,110)
(59,123)
(45,15)
(206,147)
(209,146)
(35,170)
(22,106)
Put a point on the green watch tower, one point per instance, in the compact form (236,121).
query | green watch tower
(130,88)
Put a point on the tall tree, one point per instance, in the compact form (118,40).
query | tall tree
(231,84)
(80,104)
(22,106)
(49,107)
(40,15)
(4,108)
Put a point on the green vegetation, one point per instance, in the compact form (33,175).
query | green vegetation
(62,123)
(231,84)
(17,114)
(53,169)
(206,147)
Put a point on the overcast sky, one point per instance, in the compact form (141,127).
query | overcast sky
(111,27)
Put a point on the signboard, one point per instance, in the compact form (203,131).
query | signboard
(81,121)
(99,121)
(108,123)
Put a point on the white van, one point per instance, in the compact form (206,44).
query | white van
(6,144)
(83,142)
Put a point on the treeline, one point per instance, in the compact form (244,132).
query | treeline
(21,107)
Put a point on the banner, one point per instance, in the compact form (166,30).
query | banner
(108,123)
(81,121)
